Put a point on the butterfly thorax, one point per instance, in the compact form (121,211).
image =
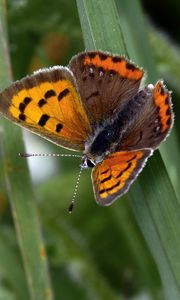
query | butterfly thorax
(108,136)
(102,143)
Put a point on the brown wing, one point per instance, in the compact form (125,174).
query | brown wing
(114,175)
(105,82)
(153,119)
(48,104)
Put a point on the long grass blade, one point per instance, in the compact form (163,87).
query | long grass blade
(19,189)
(152,197)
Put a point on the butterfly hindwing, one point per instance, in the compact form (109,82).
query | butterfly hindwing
(48,104)
(114,175)
(152,121)
(105,82)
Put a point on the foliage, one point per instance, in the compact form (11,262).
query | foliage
(95,253)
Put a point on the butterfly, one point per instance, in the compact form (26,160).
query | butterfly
(95,105)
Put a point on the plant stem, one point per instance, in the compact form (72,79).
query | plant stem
(152,196)
(19,189)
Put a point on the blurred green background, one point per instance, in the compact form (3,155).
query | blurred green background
(95,253)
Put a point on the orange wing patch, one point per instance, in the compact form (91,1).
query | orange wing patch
(113,177)
(161,99)
(114,64)
(48,104)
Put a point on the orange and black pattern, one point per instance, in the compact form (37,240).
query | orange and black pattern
(113,176)
(48,104)
(96,106)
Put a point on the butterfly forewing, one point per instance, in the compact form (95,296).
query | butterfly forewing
(114,175)
(105,82)
(48,104)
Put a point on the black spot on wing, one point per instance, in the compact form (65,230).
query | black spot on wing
(63,94)
(42,102)
(132,158)
(27,100)
(44,118)
(22,107)
(116,59)
(104,172)
(167,100)
(103,56)
(168,122)
(23,104)
(168,111)
(110,188)
(128,166)
(106,179)
(92,54)
(49,94)
(59,126)
(22,117)
(130,66)
(162,91)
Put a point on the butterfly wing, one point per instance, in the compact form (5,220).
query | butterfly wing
(48,104)
(114,175)
(105,82)
(151,125)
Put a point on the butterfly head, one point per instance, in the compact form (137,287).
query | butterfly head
(87,163)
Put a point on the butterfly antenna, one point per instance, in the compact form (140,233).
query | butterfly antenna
(71,206)
(48,155)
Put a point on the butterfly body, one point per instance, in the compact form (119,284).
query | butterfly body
(95,105)
(108,137)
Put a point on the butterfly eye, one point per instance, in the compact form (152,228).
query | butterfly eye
(90,163)
(87,163)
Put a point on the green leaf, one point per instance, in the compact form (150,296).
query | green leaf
(152,196)
(19,189)
(167,56)
(11,270)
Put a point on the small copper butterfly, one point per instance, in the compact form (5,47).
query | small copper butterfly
(95,105)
